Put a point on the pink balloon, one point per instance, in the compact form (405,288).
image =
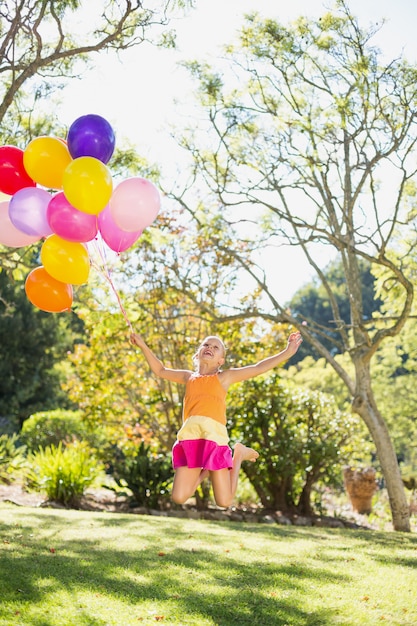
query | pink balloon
(9,234)
(117,239)
(70,223)
(134,204)
(27,211)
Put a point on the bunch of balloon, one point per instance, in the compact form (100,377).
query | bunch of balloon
(61,191)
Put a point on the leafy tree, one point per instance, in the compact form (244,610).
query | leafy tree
(43,44)
(312,301)
(395,385)
(312,136)
(32,343)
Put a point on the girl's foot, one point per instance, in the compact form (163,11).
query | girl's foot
(244,453)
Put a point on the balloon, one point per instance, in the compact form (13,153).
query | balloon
(45,160)
(65,261)
(91,135)
(135,203)
(68,222)
(88,184)
(13,175)
(27,211)
(9,234)
(117,239)
(46,293)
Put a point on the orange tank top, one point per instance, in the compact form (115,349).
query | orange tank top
(204,395)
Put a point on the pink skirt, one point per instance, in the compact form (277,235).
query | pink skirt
(202,442)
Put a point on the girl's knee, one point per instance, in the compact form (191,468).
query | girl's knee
(223,501)
(186,481)
(177,499)
(179,496)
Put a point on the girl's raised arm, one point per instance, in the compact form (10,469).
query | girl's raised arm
(237,374)
(156,365)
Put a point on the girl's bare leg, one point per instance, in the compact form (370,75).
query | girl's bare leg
(186,481)
(225,481)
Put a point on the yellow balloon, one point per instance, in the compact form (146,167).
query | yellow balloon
(65,261)
(45,160)
(88,184)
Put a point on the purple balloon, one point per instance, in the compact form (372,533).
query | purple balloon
(91,135)
(27,211)
(9,235)
(117,239)
(68,222)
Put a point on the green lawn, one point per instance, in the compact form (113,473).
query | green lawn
(62,568)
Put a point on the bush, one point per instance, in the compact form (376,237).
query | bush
(49,428)
(301,435)
(63,473)
(147,474)
(12,457)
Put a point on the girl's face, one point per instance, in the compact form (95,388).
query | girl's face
(212,351)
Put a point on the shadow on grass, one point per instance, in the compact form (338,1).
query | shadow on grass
(197,580)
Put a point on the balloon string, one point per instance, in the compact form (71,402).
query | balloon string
(107,275)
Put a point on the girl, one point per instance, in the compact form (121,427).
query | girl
(202,448)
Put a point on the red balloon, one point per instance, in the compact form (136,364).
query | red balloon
(13,175)
(47,293)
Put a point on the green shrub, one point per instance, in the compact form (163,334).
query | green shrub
(48,428)
(12,457)
(63,473)
(301,435)
(146,474)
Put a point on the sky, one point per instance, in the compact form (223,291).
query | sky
(145,92)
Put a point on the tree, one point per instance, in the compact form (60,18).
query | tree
(32,344)
(312,137)
(311,301)
(44,43)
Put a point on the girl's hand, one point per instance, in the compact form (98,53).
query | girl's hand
(136,339)
(294,342)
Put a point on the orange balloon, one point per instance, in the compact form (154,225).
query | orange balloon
(65,260)
(46,293)
(45,160)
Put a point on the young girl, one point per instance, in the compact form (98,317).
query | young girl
(202,448)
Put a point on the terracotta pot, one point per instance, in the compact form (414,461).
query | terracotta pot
(361,504)
(361,486)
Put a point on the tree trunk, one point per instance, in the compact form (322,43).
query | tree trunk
(274,493)
(304,502)
(364,405)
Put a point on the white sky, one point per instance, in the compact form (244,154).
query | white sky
(145,92)
(137,93)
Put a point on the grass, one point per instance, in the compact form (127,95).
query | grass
(76,568)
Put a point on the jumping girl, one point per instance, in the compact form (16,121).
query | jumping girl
(202,449)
